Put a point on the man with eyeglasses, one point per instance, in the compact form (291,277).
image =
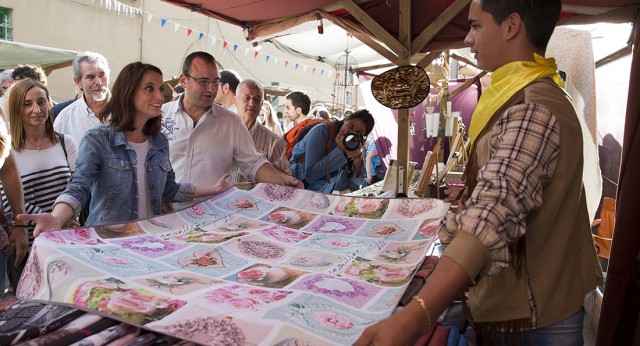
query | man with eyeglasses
(207,140)
(226,95)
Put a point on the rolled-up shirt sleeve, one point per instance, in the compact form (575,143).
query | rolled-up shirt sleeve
(524,145)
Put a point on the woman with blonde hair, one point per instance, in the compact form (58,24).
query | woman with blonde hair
(45,159)
(269,119)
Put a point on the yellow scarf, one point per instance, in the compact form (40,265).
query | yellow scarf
(506,82)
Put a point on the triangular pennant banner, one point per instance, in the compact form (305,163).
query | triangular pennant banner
(267,58)
(213,40)
(189,31)
(297,65)
(224,44)
(275,60)
(164,21)
(200,36)
(176,26)
(255,54)
(235,48)
(321,72)
(149,17)
(246,51)
(313,70)
(286,62)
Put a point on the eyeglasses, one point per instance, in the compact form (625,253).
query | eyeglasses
(204,82)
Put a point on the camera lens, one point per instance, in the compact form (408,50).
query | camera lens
(352,140)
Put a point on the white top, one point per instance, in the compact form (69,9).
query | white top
(202,153)
(141,150)
(76,120)
(44,174)
(270,146)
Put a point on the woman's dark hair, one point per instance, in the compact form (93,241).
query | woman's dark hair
(120,110)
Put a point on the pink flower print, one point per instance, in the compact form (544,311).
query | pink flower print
(368,206)
(53,237)
(278,217)
(119,261)
(385,274)
(197,210)
(243,303)
(338,243)
(126,302)
(244,205)
(333,320)
(252,274)
(429,230)
(82,236)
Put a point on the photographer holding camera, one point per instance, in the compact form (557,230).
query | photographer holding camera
(319,168)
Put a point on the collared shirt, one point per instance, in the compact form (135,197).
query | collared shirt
(76,119)
(106,168)
(524,149)
(202,153)
(271,146)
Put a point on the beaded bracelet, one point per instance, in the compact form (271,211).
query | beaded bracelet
(424,308)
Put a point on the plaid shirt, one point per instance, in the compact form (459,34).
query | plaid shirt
(524,147)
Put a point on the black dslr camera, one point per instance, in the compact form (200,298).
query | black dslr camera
(352,140)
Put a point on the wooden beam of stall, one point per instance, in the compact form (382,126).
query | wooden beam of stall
(404,35)
(428,59)
(376,29)
(375,46)
(438,24)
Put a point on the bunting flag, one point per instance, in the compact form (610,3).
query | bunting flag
(117,7)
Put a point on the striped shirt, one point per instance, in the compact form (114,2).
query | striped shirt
(524,147)
(44,175)
(271,146)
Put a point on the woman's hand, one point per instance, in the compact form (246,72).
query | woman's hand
(44,222)
(20,239)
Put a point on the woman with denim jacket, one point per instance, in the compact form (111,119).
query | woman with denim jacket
(124,166)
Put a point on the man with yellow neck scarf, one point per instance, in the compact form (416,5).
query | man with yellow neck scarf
(522,243)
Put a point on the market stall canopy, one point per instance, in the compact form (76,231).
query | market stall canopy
(434,25)
(14,53)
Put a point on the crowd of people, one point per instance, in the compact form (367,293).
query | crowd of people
(518,247)
(115,154)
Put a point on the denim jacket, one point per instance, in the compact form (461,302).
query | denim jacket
(106,171)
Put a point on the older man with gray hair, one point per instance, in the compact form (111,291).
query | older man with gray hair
(91,75)
(249,97)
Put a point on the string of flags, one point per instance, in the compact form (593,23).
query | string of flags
(119,8)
